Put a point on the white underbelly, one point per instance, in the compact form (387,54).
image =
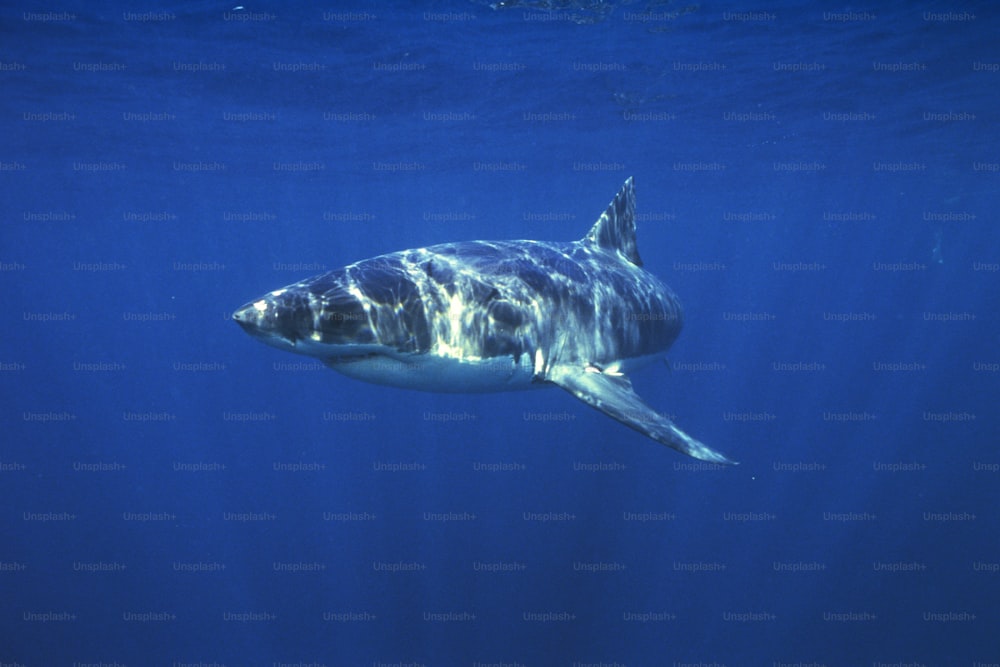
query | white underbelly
(428,372)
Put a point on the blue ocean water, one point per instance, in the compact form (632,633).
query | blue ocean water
(818,184)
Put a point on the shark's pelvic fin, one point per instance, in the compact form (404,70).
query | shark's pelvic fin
(612,394)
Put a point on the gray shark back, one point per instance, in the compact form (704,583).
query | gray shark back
(484,299)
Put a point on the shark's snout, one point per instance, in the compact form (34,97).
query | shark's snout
(297,319)
(273,319)
(250,316)
(242,316)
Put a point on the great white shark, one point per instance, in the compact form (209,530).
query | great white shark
(485,316)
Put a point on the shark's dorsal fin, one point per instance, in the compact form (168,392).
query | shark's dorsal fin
(615,229)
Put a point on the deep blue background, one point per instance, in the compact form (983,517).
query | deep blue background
(138,262)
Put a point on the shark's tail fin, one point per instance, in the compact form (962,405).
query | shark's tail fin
(615,229)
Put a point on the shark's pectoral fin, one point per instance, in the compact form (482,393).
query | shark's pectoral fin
(612,394)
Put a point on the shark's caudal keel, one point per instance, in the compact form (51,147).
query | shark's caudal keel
(493,316)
